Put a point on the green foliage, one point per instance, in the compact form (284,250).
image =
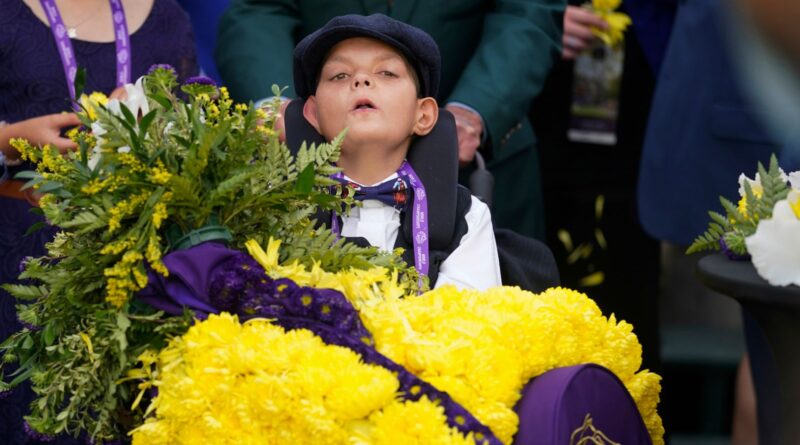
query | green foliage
(177,166)
(741,221)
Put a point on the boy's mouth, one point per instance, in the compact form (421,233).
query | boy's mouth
(364,104)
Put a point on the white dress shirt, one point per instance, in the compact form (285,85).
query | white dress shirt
(473,264)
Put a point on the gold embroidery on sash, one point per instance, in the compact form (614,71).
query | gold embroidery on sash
(587,434)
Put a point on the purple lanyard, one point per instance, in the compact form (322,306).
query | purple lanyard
(419,219)
(67,53)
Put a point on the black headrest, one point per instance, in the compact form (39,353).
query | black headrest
(434,158)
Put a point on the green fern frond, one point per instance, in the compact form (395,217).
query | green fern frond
(25,292)
(229,187)
(735,242)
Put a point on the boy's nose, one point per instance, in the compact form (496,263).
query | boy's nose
(361,80)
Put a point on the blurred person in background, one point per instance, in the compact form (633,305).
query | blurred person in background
(36,104)
(589,177)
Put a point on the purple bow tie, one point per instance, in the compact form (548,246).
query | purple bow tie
(394,192)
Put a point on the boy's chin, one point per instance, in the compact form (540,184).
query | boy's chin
(369,137)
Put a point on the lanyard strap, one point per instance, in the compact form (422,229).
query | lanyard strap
(419,219)
(67,53)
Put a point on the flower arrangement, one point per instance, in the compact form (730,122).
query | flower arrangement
(617,22)
(354,355)
(763,226)
(217,386)
(482,347)
(153,173)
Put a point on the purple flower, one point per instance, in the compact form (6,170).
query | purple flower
(730,253)
(5,394)
(27,325)
(199,80)
(23,263)
(35,435)
(162,66)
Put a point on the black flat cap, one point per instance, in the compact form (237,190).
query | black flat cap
(413,43)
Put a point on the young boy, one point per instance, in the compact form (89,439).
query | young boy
(377,78)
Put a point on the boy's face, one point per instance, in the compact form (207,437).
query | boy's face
(369,88)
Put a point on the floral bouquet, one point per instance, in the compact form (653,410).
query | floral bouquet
(190,298)
(617,22)
(762,226)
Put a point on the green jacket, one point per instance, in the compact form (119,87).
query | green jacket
(495,58)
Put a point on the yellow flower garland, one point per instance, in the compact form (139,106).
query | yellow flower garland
(482,347)
(228,383)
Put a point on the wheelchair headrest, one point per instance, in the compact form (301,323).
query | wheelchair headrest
(434,158)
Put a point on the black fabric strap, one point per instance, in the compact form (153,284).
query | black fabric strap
(437,256)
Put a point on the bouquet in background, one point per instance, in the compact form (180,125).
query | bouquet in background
(763,226)
(617,22)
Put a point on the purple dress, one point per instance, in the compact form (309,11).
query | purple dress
(32,83)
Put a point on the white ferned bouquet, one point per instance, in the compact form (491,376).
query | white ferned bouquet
(763,226)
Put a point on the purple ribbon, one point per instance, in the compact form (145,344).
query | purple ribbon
(67,53)
(210,278)
(419,219)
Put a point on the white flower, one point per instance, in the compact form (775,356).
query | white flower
(758,189)
(124,149)
(98,131)
(755,184)
(794,180)
(95,158)
(775,247)
(136,100)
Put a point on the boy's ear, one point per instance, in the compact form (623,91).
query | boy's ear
(310,112)
(427,115)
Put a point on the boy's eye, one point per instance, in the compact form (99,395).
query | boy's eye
(339,76)
(388,73)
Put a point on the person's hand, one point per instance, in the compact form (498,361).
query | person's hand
(280,127)
(119,93)
(578,24)
(46,130)
(469,127)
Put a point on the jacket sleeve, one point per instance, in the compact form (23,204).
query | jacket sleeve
(520,41)
(254,48)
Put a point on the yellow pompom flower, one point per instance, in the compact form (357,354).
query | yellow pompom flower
(483,347)
(413,423)
(216,384)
